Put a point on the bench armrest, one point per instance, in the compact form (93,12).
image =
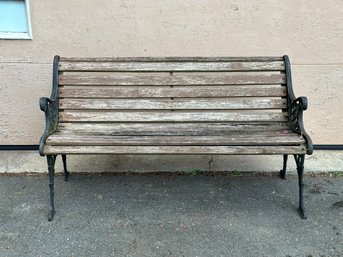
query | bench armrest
(50,107)
(296,108)
(44,103)
(301,102)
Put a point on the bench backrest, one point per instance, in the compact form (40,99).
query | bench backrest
(193,91)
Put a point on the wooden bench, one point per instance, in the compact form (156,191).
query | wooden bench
(188,106)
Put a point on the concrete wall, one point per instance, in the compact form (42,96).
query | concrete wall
(310,32)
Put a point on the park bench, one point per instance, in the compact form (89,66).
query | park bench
(184,106)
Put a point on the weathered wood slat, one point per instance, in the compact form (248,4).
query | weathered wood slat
(177,79)
(176,104)
(176,129)
(173,59)
(184,150)
(245,139)
(177,91)
(69,131)
(152,116)
(91,66)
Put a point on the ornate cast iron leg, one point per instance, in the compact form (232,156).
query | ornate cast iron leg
(299,159)
(283,171)
(66,172)
(51,166)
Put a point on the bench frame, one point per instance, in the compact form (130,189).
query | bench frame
(295,108)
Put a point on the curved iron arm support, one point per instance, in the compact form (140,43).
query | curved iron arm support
(50,107)
(296,106)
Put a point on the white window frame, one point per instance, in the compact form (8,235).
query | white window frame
(20,35)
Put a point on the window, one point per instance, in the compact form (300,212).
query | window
(15,19)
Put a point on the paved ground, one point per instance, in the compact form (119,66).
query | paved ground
(171,216)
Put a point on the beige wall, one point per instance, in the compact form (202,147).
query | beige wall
(310,32)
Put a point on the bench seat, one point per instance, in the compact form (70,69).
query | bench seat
(175,142)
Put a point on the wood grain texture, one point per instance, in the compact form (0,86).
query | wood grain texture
(173,59)
(176,91)
(172,104)
(235,139)
(172,129)
(244,78)
(184,150)
(158,116)
(92,66)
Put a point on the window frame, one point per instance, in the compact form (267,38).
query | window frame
(20,35)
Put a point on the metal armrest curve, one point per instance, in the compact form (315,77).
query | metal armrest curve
(302,101)
(44,103)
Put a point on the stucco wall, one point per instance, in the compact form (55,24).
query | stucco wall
(310,32)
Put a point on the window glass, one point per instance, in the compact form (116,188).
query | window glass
(14,19)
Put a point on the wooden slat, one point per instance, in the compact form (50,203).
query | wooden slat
(184,150)
(173,59)
(177,91)
(240,139)
(149,116)
(176,79)
(171,66)
(175,129)
(176,104)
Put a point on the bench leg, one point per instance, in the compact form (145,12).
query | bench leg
(300,159)
(51,166)
(283,171)
(66,172)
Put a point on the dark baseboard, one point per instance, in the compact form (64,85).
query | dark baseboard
(18,147)
(328,147)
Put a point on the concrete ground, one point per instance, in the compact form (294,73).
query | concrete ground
(171,216)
